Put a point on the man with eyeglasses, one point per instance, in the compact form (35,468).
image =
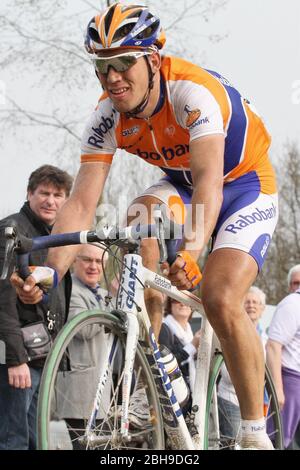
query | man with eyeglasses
(293,278)
(213,149)
(84,350)
(88,269)
(283,356)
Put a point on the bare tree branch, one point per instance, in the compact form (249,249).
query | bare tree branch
(53,44)
(94,6)
(187,8)
(41,119)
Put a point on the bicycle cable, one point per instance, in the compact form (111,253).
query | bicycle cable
(121,263)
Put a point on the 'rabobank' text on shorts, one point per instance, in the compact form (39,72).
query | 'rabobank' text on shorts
(247,218)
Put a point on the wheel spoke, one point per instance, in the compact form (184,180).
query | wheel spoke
(66,410)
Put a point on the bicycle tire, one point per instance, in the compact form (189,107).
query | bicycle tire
(213,438)
(55,399)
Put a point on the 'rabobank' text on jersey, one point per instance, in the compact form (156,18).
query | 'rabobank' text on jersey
(198,102)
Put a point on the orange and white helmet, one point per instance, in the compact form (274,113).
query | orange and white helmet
(124,26)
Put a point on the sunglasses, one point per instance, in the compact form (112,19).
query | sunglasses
(120,63)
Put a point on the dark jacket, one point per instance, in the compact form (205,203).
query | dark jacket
(13,313)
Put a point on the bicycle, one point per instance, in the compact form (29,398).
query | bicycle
(130,363)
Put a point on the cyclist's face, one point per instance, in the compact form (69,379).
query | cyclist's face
(45,201)
(253,307)
(88,265)
(127,89)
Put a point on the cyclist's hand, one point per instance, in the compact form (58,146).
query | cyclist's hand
(27,290)
(184,273)
(19,376)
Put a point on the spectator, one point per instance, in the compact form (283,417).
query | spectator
(293,285)
(229,411)
(86,291)
(283,356)
(48,187)
(85,349)
(176,333)
(293,278)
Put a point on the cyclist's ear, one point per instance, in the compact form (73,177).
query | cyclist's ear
(155,61)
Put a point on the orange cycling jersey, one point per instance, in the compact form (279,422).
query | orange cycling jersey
(197,102)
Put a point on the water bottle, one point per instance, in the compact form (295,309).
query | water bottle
(179,385)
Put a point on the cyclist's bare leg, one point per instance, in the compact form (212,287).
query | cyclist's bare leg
(150,255)
(227,277)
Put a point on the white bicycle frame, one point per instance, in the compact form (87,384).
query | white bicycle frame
(131,301)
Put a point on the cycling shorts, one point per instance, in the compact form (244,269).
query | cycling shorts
(247,217)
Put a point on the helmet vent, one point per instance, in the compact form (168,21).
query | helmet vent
(108,18)
(148,31)
(123,31)
(94,35)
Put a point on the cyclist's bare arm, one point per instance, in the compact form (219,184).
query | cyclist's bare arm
(207,161)
(76,214)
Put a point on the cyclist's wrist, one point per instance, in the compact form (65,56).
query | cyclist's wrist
(194,253)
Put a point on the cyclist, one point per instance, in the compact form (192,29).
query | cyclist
(213,149)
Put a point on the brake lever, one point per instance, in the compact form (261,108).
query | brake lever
(170,234)
(10,246)
(159,218)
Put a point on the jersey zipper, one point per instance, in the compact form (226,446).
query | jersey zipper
(154,141)
(156,148)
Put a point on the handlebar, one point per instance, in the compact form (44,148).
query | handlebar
(164,229)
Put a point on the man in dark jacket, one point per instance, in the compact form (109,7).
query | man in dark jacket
(48,188)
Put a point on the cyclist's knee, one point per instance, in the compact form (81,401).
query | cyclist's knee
(221,308)
(214,304)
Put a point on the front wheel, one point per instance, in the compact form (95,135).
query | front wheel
(222,419)
(81,388)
